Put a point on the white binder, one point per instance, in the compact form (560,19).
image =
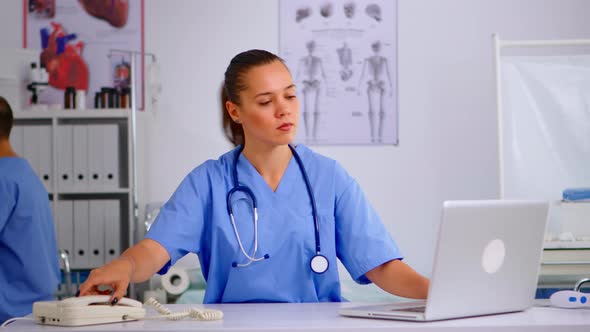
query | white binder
(31,138)
(111,156)
(64,219)
(81,234)
(65,161)
(95,156)
(97,232)
(16,139)
(80,157)
(45,160)
(112,223)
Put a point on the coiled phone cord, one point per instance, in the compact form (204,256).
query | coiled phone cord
(204,315)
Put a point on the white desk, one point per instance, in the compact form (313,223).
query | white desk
(324,317)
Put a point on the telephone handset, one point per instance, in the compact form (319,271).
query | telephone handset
(96,309)
(97,300)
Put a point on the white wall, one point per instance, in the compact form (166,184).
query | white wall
(448,143)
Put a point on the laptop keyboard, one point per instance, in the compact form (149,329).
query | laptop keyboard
(413,309)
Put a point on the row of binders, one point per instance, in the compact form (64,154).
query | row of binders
(89,230)
(87,155)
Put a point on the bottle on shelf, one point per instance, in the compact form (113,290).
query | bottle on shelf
(70,98)
(80,99)
(97,100)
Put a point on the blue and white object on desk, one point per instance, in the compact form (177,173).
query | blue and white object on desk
(576,194)
(570,299)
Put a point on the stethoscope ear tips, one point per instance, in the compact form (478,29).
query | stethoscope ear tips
(235,264)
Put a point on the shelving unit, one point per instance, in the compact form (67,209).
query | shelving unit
(84,159)
(563,267)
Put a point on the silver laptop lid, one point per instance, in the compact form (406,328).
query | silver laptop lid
(487,258)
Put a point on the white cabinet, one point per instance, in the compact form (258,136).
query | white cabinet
(83,157)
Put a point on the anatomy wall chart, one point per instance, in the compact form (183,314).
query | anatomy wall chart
(343,57)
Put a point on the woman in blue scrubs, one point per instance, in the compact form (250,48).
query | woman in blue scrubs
(268,220)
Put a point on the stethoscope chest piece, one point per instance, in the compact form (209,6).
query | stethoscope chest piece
(319,264)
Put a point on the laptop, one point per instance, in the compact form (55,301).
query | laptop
(487,261)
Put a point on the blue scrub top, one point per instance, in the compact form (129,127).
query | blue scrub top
(195,219)
(29,267)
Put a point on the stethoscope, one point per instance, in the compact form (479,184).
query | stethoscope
(318,263)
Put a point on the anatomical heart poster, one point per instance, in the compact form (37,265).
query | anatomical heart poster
(80,44)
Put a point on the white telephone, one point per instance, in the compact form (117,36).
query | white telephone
(96,309)
(87,310)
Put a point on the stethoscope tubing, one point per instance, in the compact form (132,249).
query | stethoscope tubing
(312,197)
(237,188)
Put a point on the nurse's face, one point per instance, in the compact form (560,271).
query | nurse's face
(269,109)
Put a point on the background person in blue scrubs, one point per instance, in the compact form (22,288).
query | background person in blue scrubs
(261,116)
(29,267)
